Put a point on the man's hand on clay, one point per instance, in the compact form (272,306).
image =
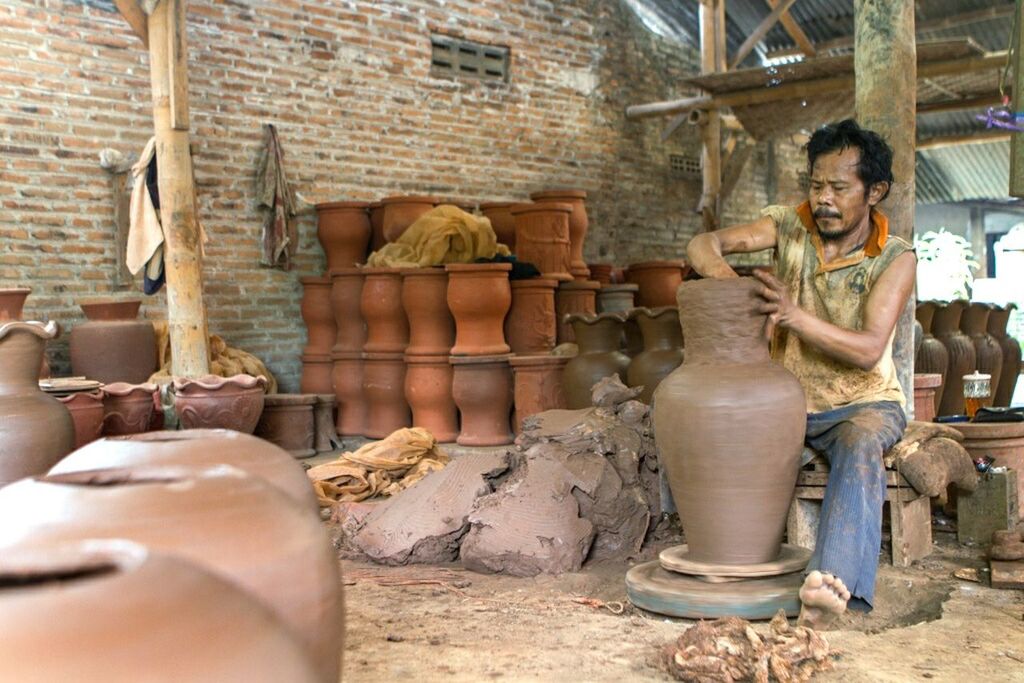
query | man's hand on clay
(781,309)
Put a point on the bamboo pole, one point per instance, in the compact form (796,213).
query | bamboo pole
(1016,144)
(803,43)
(712,60)
(760,32)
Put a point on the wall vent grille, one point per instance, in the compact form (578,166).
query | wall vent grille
(456,57)
(684,166)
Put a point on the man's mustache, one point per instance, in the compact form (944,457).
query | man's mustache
(826,213)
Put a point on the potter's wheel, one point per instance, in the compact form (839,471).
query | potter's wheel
(791,558)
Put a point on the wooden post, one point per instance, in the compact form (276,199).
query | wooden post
(885,61)
(712,59)
(1016,144)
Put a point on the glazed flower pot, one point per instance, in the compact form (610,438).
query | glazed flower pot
(317,314)
(428,390)
(578,296)
(730,425)
(479,297)
(997,321)
(287,422)
(932,358)
(663,349)
(597,336)
(12,301)
(616,298)
(502,221)
(401,212)
(127,408)
(601,272)
(538,386)
(324,431)
(658,281)
(213,402)
(531,325)
(348,390)
(343,229)
(425,302)
(376,226)
(542,238)
(988,354)
(925,388)
(384,393)
(482,389)
(36,430)
(346,295)
(962,357)
(86,408)
(577,225)
(387,329)
(112,346)
(317,374)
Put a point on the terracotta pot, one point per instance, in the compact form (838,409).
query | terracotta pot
(348,390)
(428,390)
(384,393)
(343,229)
(12,301)
(318,316)
(74,601)
(235,526)
(401,212)
(531,325)
(36,430)
(599,356)
(387,329)
(287,422)
(317,374)
(86,408)
(377,240)
(932,358)
(197,448)
(112,346)
(346,295)
(925,388)
(502,220)
(988,355)
(577,225)
(213,402)
(962,358)
(542,238)
(663,349)
(729,424)
(538,386)
(658,281)
(324,431)
(425,302)
(482,389)
(127,408)
(479,297)
(616,298)
(601,272)
(997,321)
(578,296)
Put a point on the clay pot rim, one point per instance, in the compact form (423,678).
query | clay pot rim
(625,287)
(461,268)
(215,382)
(101,309)
(315,280)
(316,358)
(592,285)
(424,271)
(47,330)
(277,400)
(571,192)
(322,398)
(535,283)
(341,205)
(345,355)
(68,399)
(465,205)
(497,205)
(990,430)
(380,270)
(538,360)
(16,290)
(591,318)
(497,359)
(652,311)
(382,355)
(374,205)
(540,206)
(177,435)
(927,380)
(148,474)
(409,199)
(87,560)
(440,359)
(344,272)
(645,265)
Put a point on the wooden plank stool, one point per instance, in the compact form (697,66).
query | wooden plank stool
(910,513)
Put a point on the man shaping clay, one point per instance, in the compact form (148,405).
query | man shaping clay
(840,284)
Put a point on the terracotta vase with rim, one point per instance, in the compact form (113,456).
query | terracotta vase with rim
(325,434)
(531,326)
(479,296)
(317,314)
(482,389)
(376,210)
(658,281)
(12,301)
(402,211)
(578,296)
(962,356)
(542,238)
(213,402)
(502,221)
(988,354)
(616,298)
(997,321)
(317,377)
(348,390)
(578,224)
(87,412)
(597,336)
(384,393)
(287,422)
(925,388)
(601,272)
(663,349)
(932,358)
(343,229)
(428,390)
(346,295)
(127,408)
(538,386)
(425,302)
(387,329)
(113,345)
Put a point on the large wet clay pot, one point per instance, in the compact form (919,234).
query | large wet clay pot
(127,408)
(86,408)
(12,301)
(538,386)
(425,302)
(318,316)
(112,346)
(997,321)
(376,226)
(729,424)
(925,388)
(346,295)
(479,297)
(663,349)
(502,221)
(988,355)
(401,212)
(343,229)
(317,375)
(932,358)
(235,526)
(348,390)
(530,326)
(428,390)
(482,389)
(578,296)
(36,430)
(287,422)
(325,434)
(658,281)
(384,393)
(115,611)
(387,329)
(197,448)
(601,272)
(616,298)
(542,238)
(577,225)
(213,402)
(599,356)
(962,357)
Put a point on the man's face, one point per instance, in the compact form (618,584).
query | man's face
(837,194)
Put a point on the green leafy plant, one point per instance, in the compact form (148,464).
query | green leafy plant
(944,263)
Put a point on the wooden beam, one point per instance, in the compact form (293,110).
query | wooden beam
(1016,188)
(177,64)
(803,43)
(972,138)
(135,17)
(712,60)
(958,104)
(734,169)
(760,32)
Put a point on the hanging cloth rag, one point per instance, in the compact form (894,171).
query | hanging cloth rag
(280,232)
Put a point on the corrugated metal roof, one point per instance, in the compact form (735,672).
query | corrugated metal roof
(963,172)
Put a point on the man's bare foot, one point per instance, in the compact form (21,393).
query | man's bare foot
(824,598)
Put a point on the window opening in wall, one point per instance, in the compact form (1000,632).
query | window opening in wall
(684,166)
(456,57)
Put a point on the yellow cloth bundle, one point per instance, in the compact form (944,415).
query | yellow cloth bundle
(445,234)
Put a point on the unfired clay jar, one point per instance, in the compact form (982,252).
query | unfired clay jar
(387,330)
(601,272)
(962,358)
(12,301)
(932,358)
(343,229)
(213,402)
(401,212)
(538,386)
(482,389)
(348,390)
(86,408)
(502,220)
(287,422)
(127,408)
(577,225)
(479,297)
(663,349)
(616,297)
(231,524)
(428,390)
(425,302)
(384,393)
(658,281)
(925,388)
(530,326)
(988,355)
(112,346)
(317,314)
(317,375)
(997,321)
(324,431)
(578,296)
(599,356)
(377,240)
(73,602)
(36,430)
(542,238)
(729,424)
(346,294)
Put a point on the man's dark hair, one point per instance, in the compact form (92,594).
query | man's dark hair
(875,164)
